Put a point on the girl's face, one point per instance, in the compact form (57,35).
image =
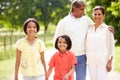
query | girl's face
(98,16)
(62,45)
(31,29)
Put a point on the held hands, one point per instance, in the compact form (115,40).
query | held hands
(66,77)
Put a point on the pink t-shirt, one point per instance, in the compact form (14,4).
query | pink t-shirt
(62,64)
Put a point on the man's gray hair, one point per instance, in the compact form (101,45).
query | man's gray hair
(77,4)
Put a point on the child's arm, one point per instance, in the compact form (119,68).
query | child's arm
(49,72)
(17,63)
(69,73)
(43,62)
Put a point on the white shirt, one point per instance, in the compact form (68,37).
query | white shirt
(99,45)
(76,29)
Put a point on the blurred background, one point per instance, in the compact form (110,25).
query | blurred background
(48,12)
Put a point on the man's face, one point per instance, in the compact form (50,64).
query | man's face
(78,12)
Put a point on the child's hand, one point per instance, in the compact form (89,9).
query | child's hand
(66,77)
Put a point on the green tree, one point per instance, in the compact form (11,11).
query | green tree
(114,10)
(14,12)
(112,16)
(50,11)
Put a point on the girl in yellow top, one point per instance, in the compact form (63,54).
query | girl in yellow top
(30,53)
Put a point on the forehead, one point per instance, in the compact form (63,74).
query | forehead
(97,11)
(61,39)
(81,6)
(31,23)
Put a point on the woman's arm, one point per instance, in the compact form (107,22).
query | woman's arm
(110,46)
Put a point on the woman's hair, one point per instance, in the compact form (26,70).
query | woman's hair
(99,8)
(77,4)
(30,20)
(67,39)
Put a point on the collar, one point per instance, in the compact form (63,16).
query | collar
(61,54)
(100,26)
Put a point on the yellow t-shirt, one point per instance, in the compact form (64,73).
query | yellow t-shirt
(30,63)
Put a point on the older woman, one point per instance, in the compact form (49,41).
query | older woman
(99,46)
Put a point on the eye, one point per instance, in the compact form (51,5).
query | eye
(99,14)
(59,42)
(28,26)
(35,27)
(95,14)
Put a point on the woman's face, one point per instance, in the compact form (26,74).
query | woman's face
(62,45)
(98,16)
(31,29)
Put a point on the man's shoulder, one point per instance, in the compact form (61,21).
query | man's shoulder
(65,19)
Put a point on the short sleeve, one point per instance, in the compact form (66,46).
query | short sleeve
(18,44)
(73,59)
(42,45)
(52,61)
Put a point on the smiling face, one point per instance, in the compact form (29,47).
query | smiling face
(62,44)
(98,14)
(78,12)
(78,8)
(31,29)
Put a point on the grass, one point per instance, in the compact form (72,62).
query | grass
(7,69)
(117,58)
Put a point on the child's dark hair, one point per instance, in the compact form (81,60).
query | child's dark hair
(67,39)
(30,20)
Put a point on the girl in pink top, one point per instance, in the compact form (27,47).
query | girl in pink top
(63,61)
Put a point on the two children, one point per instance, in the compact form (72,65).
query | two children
(30,56)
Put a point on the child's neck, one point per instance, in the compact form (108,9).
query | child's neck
(62,51)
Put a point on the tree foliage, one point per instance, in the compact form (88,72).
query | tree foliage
(14,12)
(112,16)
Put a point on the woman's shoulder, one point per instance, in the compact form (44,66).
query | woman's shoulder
(105,26)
